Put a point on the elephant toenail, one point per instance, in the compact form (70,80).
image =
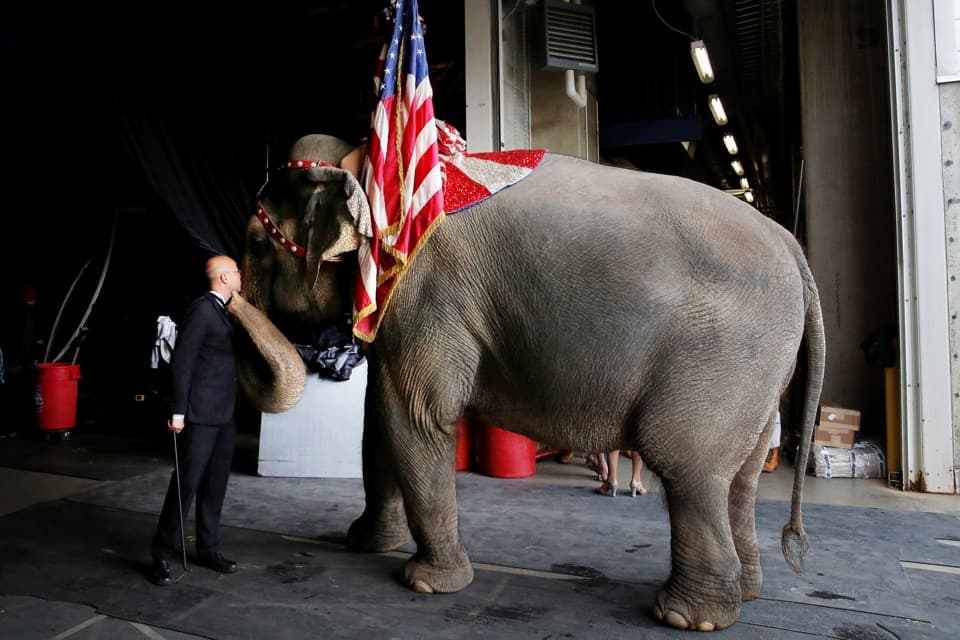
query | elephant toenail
(706,626)
(676,620)
(421,587)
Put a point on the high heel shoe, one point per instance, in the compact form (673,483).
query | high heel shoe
(608,488)
(636,487)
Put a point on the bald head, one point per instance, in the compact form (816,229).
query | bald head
(223,275)
(219,264)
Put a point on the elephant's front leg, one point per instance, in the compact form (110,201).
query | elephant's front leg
(425,470)
(383,524)
(426,467)
(703,592)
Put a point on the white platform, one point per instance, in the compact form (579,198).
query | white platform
(320,436)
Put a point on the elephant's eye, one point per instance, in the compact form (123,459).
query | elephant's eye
(259,245)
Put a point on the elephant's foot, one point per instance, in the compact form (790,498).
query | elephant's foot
(377,535)
(751,579)
(438,576)
(695,612)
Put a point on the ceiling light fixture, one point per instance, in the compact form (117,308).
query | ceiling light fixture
(698,50)
(737,167)
(748,196)
(716,108)
(730,143)
(744,184)
(701,60)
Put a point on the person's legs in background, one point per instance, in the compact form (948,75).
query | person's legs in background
(773,456)
(609,486)
(636,486)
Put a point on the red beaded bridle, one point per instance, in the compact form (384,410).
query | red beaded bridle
(271,227)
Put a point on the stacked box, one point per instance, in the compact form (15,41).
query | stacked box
(865,460)
(836,426)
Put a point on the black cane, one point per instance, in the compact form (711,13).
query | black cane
(176,470)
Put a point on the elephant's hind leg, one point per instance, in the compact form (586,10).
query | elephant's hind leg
(742,505)
(383,524)
(703,592)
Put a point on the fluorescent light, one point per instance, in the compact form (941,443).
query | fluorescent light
(737,167)
(730,143)
(748,196)
(744,184)
(698,51)
(716,108)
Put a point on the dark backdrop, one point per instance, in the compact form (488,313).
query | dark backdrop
(161,118)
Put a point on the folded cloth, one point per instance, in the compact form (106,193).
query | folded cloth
(165,342)
(333,354)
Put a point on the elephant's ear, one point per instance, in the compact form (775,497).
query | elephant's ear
(353,194)
(338,220)
(357,204)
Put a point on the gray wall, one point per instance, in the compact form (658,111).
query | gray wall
(848,189)
(950,125)
(557,123)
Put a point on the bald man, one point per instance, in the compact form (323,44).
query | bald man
(204,376)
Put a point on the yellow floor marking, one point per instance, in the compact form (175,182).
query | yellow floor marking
(147,631)
(80,627)
(483,566)
(491,599)
(942,568)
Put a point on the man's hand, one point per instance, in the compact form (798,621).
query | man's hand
(175,424)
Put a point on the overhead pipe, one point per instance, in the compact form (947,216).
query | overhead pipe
(579,93)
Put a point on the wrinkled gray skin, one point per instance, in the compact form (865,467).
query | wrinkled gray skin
(588,307)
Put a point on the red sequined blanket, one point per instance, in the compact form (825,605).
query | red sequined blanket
(473,177)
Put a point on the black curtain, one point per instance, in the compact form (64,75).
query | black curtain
(203,177)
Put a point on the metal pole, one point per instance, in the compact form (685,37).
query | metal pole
(796,212)
(176,470)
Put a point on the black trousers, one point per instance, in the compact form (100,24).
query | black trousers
(205,455)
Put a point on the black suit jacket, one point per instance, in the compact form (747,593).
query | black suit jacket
(203,367)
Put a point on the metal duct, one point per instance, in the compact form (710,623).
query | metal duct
(569,34)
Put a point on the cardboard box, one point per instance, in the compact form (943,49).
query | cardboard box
(830,415)
(839,437)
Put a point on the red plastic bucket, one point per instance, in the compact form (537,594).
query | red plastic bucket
(57,391)
(503,454)
(463,444)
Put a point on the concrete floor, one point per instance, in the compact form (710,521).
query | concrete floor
(76,518)
(778,485)
(20,488)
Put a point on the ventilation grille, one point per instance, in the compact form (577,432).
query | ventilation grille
(569,36)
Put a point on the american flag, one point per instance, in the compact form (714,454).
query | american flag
(401,175)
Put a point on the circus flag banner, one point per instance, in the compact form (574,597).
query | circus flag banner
(402,174)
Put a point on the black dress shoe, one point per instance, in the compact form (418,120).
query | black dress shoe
(160,572)
(217,562)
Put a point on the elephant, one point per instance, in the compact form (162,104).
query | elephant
(587,307)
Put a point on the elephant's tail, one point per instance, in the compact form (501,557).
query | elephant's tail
(793,541)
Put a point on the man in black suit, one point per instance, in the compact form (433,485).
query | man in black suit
(204,395)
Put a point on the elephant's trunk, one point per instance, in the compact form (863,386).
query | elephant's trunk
(271,373)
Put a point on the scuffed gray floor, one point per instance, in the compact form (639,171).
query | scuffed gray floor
(552,561)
